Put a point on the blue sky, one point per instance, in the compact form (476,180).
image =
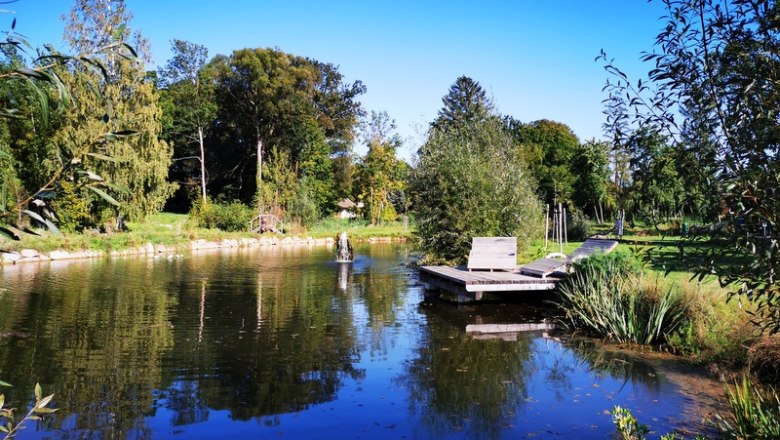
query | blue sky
(535,58)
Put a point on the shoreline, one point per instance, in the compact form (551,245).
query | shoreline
(26,256)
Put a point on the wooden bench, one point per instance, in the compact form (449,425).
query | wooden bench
(493,253)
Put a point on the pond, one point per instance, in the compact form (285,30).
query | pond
(283,342)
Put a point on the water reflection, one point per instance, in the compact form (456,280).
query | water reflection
(283,341)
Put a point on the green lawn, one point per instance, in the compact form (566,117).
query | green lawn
(176,230)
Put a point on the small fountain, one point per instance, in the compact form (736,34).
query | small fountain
(344,253)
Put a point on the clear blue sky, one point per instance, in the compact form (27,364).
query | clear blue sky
(534,57)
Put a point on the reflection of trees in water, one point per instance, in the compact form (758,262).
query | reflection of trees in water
(274,341)
(97,346)
(458,383)
(379,282)
(116,340)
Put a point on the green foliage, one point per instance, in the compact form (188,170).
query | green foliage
(304,208)
(37,101)
(590,166)
(268,99)
(72,208)
(754,414)
(129,102)
(711,67)
(627,425)
(10,426)
(465,103)
(606,297)
(468,183)
(189,108)
(380,173)
(231,216)
(629,428)
(548,148)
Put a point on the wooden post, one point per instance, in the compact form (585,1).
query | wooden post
(565,228)
(546,224)
(560,228)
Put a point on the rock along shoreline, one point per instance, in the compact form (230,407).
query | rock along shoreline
(34,256)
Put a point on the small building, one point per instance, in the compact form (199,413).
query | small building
(347,209)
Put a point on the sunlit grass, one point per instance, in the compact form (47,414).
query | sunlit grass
(177,230)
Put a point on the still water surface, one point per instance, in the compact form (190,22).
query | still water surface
(282,342)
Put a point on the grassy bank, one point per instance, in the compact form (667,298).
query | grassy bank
(177,230)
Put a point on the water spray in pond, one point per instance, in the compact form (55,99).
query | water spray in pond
(344,253)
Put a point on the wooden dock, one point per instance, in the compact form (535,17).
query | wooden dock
(470,286)
(497,254)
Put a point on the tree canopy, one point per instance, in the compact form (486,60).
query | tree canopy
(714,91)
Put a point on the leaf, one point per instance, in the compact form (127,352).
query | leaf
(41,403)
(38,391)
(44,410)
(2,400)
(3,429)
(5,384)
(104,195)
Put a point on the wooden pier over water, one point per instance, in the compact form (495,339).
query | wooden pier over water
(500,273)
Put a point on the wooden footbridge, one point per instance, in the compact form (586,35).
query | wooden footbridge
(492,267)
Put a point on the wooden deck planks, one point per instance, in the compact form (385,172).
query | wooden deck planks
(487,281)
(543,267)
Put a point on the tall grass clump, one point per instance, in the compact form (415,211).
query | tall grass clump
(232,216)
(606,296)
(754,414)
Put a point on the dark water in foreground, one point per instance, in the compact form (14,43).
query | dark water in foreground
(283,342)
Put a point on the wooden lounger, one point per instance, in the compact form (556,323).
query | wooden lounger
(493,253)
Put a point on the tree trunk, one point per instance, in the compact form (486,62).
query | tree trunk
(601,213)
(259,177)
(202,163)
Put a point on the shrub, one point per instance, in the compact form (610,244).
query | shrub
(469,183)
(232,216)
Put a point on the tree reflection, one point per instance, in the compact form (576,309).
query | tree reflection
(273,342)
(457,383)
(257,335)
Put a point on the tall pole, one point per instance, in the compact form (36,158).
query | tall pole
(546,224)
(560,227)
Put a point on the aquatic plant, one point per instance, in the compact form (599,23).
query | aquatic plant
(754,414)
(607,298)
(627,425)
(629,428)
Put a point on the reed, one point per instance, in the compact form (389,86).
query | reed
(754,414)
(609,298)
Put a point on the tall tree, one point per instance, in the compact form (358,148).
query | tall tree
(591,170)
(273,101)
(190,91)
(380,172)
(130,103)
(469,182)
(465,102)
(715,70)
(548,148)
